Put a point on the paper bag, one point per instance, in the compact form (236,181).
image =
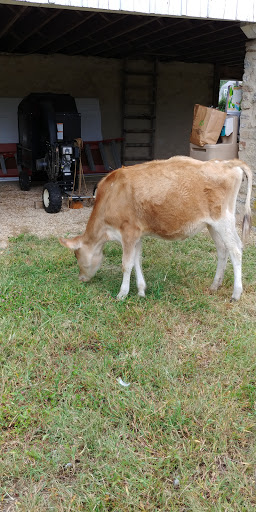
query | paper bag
(207,125)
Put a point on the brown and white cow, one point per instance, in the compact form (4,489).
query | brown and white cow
(173,199)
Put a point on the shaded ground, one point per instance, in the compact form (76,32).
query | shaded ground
(19,215)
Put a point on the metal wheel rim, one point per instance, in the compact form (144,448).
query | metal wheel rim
(46,198)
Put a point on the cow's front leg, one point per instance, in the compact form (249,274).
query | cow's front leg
(128,261)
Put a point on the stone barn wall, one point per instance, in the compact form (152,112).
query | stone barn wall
(247,143)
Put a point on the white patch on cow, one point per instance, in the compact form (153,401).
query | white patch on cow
(114,234)
(194,229)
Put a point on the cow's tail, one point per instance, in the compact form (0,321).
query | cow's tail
(247,220)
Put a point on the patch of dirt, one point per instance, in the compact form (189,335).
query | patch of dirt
(19,215)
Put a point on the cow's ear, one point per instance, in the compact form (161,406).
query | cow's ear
(71,243)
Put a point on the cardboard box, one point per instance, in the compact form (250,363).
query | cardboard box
(207,125)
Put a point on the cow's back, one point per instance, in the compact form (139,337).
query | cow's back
(171,198)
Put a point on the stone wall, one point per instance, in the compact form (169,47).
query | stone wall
(247,143)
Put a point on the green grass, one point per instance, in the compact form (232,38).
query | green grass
(72,438)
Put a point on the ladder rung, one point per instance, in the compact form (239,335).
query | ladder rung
(139,131)
(139,101)
(134,158)
(138,87)
(140,73)
(139,117)
(143,103)
(138,145)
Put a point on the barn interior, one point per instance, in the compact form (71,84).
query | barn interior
(136,78)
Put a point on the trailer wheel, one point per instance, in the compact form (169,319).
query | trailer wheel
(52,199)
(24,181)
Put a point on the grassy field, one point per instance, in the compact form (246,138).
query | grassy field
(180,437)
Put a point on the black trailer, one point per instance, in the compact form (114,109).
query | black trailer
(49,125)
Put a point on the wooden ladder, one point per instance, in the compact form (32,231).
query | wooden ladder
(139,111)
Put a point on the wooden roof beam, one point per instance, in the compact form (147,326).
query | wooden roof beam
(66,25)
(12,21)
(89,33)
(136,38)
(199,34)
(35,30)
(60,45)
(119,34)
(157,38)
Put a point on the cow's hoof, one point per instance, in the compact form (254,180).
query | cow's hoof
(121,296)
(236,295)
(84,279)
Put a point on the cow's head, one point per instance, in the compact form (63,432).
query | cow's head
(88,258)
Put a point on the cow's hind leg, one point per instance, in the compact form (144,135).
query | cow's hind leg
(234,246)
(222,254)
(228,234)
(141,284)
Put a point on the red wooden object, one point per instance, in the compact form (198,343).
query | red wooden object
(96,155)
(8,151)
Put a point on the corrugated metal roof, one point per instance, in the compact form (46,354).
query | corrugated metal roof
(240,10)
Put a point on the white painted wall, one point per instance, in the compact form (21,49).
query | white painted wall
(9,120)
(241,10)
(89,108)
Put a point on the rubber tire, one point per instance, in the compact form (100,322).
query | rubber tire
(52,199)
(24,181)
